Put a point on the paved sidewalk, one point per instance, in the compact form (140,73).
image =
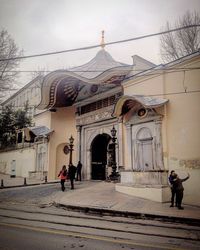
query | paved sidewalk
(101,197)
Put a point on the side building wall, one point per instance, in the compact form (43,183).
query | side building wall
(181,119)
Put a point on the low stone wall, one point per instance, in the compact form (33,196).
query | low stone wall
(40,175)
(154,177)
(18,162)
(151,192)
(154,185)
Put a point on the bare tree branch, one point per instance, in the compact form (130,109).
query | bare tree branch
(8,49)
(183,42)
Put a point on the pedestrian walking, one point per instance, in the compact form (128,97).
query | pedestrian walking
(71,174)
(171,184)
(179,189)
(63,176)
(78,171)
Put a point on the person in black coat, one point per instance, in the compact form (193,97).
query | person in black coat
(78,171)
(71,174)
(179,189)
(171,184)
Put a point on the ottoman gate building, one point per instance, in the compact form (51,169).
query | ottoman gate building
(87,101)
(81,102)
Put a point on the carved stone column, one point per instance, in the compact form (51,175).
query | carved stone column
(120,144)
(159,148)
(129,157)
(79,128)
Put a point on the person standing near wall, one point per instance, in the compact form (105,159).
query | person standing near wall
(171,184)
(78,171)
(179,189)
(63,176)
(71,174)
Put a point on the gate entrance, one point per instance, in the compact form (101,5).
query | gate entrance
(99,156)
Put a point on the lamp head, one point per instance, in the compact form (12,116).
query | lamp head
(113,132)
(71,140)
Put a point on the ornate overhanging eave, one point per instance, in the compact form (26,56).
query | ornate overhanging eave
(63,88)
(126,103)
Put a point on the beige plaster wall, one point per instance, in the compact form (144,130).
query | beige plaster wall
(61,159)
(63,124)
(149,85)
(43,119)
(25,161)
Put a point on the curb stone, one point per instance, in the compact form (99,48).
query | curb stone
(28,185)
(127,214)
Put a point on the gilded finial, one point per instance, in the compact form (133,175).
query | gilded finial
(102,39)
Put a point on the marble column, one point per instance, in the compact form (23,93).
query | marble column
(159,148)
(129,157)
(120,143)
(79,128)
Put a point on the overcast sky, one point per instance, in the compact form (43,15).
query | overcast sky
(40,26)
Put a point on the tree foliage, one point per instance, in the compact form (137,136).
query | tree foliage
(21,117)
(7,126)
(10,121)
(183,42)
(8,73)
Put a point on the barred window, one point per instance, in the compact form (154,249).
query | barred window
(98,105)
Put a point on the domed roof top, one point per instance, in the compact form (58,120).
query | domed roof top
(100,63)
(62,88)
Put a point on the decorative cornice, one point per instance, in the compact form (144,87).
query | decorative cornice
(95,116)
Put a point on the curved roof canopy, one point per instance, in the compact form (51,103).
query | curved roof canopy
(62,88)
(126,103)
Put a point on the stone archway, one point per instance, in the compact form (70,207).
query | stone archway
(99,156)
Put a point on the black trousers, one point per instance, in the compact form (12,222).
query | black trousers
(173,193)
(62,182)
(179,197)
(78,176)
(72,183)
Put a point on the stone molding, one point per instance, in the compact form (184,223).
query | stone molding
(95,116)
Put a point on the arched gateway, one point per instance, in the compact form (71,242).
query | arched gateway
(99,156)
(82,101)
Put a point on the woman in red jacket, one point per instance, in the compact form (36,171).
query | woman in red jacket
(63,177)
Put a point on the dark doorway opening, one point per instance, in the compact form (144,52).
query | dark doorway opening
(99,156)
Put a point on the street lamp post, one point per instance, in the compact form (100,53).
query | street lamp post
(114,175)
(71,145)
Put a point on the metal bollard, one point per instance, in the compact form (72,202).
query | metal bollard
(2,183)
(25,181)
(45,179)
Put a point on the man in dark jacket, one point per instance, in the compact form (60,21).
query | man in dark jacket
(171,184)
(78,171)
(71,174)
(179,189)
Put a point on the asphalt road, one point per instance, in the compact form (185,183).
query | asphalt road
(25,224)
(25,238)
